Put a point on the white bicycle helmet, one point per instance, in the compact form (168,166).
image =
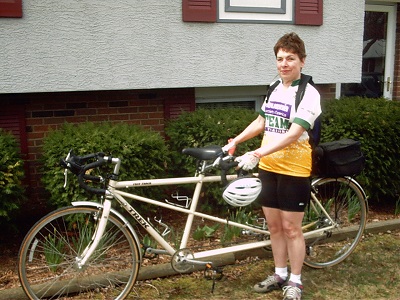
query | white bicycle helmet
(242,191)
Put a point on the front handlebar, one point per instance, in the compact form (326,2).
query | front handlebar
(80,165)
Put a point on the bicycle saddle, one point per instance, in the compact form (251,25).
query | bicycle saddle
(204,153)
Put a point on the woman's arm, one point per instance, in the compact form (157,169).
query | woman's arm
(288,138)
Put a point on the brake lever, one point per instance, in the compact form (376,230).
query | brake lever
(65,178)
(66,169)
(216,162)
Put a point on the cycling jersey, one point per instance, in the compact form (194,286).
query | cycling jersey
(279,112)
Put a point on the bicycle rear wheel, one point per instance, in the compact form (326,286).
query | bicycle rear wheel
(346,206)
(47,264)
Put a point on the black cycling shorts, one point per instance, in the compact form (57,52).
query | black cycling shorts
(289,193)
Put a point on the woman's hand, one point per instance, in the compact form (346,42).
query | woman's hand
(248,161)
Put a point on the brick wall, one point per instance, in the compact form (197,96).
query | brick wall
(327,91)
(48,111)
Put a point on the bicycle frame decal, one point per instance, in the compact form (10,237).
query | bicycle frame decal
(138,217)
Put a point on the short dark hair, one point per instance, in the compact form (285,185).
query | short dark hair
(291,42)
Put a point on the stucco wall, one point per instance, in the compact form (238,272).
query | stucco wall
(129,44)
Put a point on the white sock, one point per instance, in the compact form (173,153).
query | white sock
(295,278)
(282,272)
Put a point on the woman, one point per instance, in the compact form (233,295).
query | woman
(284,160)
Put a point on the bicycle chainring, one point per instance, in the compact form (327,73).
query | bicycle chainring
(179,261)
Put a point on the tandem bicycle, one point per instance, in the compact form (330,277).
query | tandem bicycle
(98,247)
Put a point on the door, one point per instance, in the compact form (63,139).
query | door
(378,54)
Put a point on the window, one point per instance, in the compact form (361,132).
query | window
(299,12)
(227,104)
(249,97)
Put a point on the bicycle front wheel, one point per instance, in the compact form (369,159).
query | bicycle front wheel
(47,260)
(340,207)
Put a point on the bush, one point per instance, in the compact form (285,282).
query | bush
(144,155)
(375,123)
(11,175)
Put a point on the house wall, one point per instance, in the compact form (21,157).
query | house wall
(92,45)
(59,58)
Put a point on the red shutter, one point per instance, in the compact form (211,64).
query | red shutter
(309,12)
(11,8)
(199,11)
(12,119)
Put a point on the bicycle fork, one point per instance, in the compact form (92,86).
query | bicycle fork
(84,257)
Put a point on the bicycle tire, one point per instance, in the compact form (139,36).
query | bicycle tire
(345,203)
(47,257)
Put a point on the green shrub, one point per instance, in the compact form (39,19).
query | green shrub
(11,175)
(144,155)
(375,123)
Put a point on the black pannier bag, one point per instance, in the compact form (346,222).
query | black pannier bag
(338,158)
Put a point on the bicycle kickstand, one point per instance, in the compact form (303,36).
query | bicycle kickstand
(214,274)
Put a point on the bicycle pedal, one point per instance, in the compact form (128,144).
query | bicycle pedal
(213,273)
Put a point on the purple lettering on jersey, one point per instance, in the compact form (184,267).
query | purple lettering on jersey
(278,109)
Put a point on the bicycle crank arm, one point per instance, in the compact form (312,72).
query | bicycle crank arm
(156,251)
(195,262)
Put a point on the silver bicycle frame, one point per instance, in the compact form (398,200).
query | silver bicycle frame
(115,189)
